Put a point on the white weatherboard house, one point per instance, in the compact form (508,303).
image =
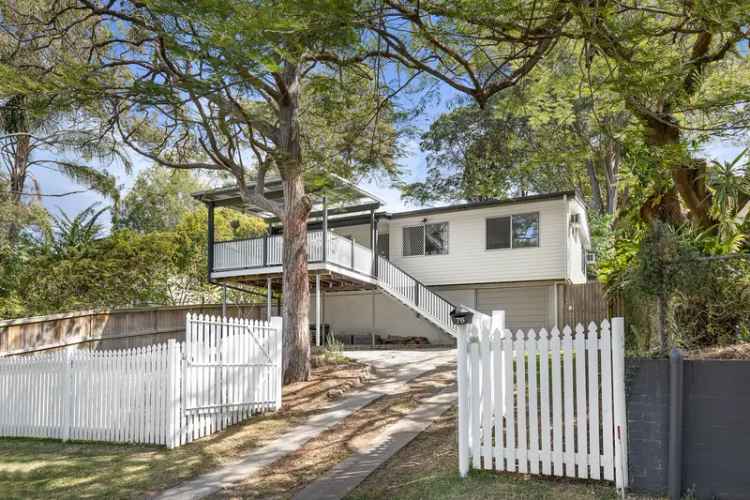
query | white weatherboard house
(510,254)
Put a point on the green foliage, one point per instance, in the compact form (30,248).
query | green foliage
(559,130)
(708,296)
(49,117)
(729,183)
(70,234)
(159,198)
(124,269)
(15,247)
(712,304)
(73,265)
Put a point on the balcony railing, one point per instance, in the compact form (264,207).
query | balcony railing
(258,253)
(267,252)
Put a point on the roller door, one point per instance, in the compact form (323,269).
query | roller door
(525,307)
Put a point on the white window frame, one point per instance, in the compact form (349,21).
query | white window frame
(424,239)
(510,229)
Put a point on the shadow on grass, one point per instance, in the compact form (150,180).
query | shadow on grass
(39,468)
(428,468)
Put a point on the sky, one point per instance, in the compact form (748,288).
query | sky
(413,164)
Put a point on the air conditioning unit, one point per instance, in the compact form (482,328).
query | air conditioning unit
(590,258)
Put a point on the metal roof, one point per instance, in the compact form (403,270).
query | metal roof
(342,196)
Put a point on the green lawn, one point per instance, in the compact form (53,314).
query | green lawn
(45,469)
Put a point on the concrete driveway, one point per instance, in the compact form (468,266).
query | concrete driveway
(400,363)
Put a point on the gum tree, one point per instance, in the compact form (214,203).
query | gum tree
(682,70)
(230,87)
(294,88)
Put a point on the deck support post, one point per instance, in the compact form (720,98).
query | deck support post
(265,250)
(210,239)
(317,309)
(325,229)
(374,242)
(269,299)
(224,302)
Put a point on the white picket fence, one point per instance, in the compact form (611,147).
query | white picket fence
(150,395)
(232,370)
(547,404)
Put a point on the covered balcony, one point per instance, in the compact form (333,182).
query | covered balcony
(340,261)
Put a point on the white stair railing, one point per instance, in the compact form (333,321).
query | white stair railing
(409,290)
(344,252)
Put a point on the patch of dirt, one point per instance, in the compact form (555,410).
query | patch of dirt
(427,468)
(292,473)
(735,351)
(301,397)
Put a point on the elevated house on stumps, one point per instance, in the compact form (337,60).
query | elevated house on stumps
(382,277)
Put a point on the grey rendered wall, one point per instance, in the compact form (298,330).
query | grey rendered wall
(647,395)
(715,439)
(716,449)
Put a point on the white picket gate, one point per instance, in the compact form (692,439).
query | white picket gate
(168,394)
(232,370)
(547,404)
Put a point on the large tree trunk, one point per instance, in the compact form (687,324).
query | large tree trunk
(596,193)
(18,180)
(297,205)
(663,131)
(296,289)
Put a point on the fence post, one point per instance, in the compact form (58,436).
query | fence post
(67,394)
(173,393)
(618,387)
(675,424)
(277,325)
(462,335)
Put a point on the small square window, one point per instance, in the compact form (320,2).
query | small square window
(436,239)
(413,241)
(428,239)
(525,230)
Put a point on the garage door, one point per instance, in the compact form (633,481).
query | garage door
(525,307)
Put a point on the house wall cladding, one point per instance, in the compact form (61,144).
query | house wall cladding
(468,260)
(715,439)
(110,329)
(351,313)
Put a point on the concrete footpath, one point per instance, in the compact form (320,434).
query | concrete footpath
(398,368)
(349,473)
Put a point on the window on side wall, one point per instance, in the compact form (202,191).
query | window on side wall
(515,231)
(525,230)
(426,239)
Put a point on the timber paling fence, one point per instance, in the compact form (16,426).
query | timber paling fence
(551,404)
(110,329)
(170,394)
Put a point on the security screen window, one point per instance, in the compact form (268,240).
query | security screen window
(525,230)
(427,239)
(436,239)
(413,241)
(498,233)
